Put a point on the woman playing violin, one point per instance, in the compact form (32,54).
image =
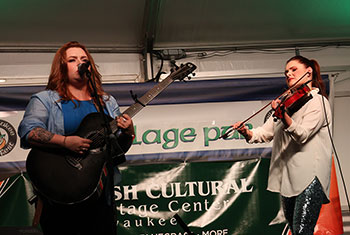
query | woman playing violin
(301,160)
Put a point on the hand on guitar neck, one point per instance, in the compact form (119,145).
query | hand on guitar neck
(125,122)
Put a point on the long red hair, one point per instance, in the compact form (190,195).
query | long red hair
(58,79)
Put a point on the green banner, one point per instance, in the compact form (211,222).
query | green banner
(210,197)
(14,194)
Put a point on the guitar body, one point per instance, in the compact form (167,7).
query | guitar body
(67,177)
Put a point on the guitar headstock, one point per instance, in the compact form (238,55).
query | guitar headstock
(183,71)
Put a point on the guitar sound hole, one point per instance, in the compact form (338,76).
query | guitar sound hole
(98,139)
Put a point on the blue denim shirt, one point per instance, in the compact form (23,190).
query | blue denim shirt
(45,110)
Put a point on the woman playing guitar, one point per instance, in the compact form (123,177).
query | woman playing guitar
(51,118)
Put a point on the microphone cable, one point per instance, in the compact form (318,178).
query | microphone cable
(334,150)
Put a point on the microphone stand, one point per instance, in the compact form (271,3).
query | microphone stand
(111,147)
(183,225)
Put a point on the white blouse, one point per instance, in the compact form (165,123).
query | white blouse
(302,151)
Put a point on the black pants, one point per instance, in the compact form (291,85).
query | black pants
(302,211)
(93,217)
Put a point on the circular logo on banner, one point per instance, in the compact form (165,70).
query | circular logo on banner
(8,137)
(268,114)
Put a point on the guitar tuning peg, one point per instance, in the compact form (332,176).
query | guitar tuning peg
(182,65)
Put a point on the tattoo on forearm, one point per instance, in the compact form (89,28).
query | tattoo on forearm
(40,135)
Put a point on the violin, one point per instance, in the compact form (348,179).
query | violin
(291,101)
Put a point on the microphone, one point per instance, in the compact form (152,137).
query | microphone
(83,68)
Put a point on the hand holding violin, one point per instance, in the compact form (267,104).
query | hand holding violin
(290,102)
(279,106)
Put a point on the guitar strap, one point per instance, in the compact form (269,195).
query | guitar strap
(102,180)
(38,210)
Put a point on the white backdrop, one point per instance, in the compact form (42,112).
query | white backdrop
(28,68)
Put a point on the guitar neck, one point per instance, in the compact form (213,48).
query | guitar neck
(148,97)
(179,74)
(143,101)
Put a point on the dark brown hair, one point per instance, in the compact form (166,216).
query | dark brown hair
(317,80)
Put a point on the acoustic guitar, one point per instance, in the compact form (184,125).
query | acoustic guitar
(65,177)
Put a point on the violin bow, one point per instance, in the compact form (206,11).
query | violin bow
(225,136)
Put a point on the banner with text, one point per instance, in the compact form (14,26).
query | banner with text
(177,164)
